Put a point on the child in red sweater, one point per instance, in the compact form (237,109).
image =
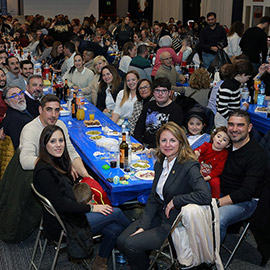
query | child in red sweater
(212,157)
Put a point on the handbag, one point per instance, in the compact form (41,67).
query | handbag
(220,59)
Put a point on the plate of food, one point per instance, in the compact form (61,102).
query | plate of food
(93,132)
(64,112)
(137,147)
(145,175)
(96,137)
(92,123)
(114,133)
(107,143)
(261,110)
(140,165)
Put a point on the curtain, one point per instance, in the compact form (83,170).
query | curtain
(222,8)
(163,10)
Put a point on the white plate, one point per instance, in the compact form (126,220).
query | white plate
(111,133)
(64,113)
(140,166)
(145,175)
(107,143)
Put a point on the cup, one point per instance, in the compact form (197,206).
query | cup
(91,115)
(113,159)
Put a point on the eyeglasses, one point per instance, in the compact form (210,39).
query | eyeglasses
(168,58)
(161,91)
(16,96)
(142,88)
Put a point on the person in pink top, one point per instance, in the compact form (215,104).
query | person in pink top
(212,157)
(165,44)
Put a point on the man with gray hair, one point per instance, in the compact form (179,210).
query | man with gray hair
(33,94)
(17,115)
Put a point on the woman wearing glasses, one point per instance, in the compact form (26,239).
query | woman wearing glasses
(177,182)
(144,93)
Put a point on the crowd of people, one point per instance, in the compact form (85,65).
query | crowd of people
(203,139)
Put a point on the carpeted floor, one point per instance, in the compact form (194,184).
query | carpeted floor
(17,256)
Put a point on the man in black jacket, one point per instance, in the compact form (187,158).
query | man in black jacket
(212,38)
(254,42)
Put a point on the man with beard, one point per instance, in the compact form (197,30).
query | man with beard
(33,94)
(212,38)
(157,113)
(27,69)
(16,115)
(13,66)
(243,176)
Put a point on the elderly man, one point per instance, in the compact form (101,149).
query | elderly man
(49,111)
(16,115)
(33,94)
(157,112)
(27,69)
(13,67)
(243,176)
(140,64)
(168,70)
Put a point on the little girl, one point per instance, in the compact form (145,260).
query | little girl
(212,157)
(196,122)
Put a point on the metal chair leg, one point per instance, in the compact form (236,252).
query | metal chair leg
(113,260)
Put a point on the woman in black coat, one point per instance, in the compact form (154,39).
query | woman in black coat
(177,182)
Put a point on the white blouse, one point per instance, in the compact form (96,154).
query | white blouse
(109,101)
(167,167)
(126,110)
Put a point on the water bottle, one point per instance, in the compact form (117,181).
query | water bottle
(244,94)
(261,94)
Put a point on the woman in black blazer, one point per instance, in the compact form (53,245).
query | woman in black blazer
(177,183)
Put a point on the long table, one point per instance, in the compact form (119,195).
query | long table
(258,119)
(118,193)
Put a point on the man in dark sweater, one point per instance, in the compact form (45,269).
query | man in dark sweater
(16,115)
(244,173)
(33,94)
(157,112)
(254,42)
(212,37)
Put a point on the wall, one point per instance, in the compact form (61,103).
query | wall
(72,8)
(121,7)
(12,7)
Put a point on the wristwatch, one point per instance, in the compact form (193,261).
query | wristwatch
(218,202)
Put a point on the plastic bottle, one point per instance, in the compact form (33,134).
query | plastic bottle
(257,82)
(80,105)
(244,94)
(261,94)
(46,71)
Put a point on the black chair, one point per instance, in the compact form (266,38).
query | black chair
(42,240)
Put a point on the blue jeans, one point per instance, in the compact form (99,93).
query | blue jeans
(207,59)
(231,214)
(109,226)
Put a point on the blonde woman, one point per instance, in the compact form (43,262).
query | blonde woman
(98,63)
(126,98)
(177,182)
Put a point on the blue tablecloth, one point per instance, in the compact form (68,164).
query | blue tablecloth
(258,119)
(118,194)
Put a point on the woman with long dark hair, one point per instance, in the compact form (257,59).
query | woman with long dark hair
(52,178)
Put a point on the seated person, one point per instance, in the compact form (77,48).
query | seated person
(168,70)
(264,74)
(199,86)
(129,52)
(17,115)
(195,124)
(3,105)
(241,183)
(53,179)
(88,57)
(212,157)
(144,93)
(109,86)
(80,77)
(157,113)
(140,63)
(177,182)
(126,98)
(83,193)
(29,140)
(228,96)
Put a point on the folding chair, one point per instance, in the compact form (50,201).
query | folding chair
(39,241)
(232,252)
(58,245)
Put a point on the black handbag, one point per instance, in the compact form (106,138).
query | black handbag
(221,59)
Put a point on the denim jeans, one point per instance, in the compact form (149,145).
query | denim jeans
(231,214)
(207,59)
(109,226)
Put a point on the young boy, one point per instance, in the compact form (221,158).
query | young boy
(212,157)
(83,193)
